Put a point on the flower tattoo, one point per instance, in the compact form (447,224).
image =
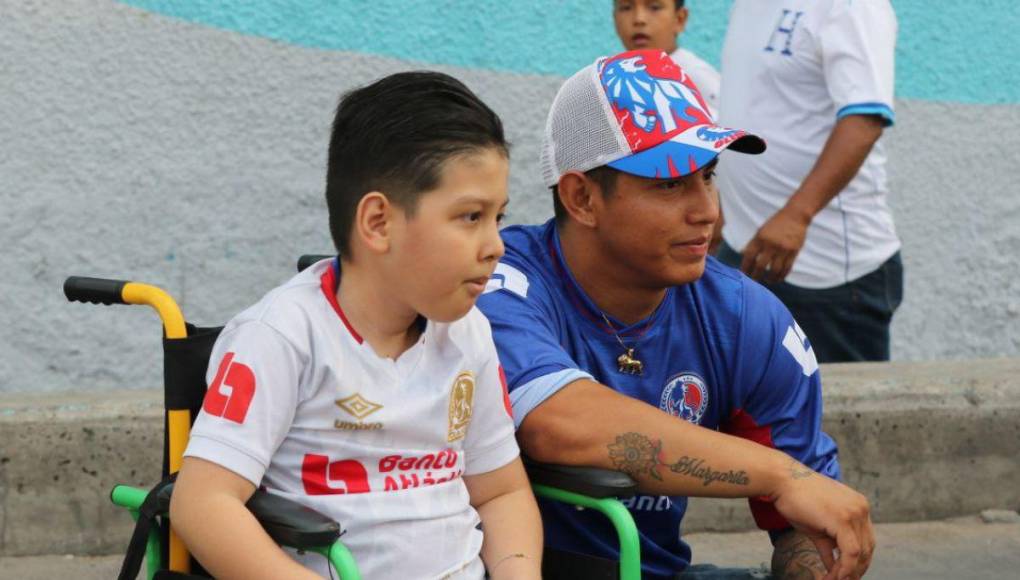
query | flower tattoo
(635,454)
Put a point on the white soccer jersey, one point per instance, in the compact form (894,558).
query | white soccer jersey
(300,405)
(790,69)
(703,74)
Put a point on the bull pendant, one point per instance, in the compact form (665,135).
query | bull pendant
(628,365)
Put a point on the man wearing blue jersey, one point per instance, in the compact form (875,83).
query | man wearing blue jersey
(626,347)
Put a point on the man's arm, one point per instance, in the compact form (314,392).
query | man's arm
(769,256)
(513,529)
(588,424)
(208,511)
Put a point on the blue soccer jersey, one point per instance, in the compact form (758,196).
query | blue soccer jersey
(721,352)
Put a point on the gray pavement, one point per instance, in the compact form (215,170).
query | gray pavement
(964,548)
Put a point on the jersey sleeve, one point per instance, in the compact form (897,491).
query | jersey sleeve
(779,392)
(858,42)
(490,442)
(249,406)
(524,328)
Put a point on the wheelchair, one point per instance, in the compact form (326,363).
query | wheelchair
(186,352)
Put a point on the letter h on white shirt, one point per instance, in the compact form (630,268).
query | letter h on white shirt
(788,31)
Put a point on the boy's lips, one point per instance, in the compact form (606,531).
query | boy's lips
(640,40)
(477,285)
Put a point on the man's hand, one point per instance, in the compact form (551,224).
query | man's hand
(769,256)
(832,516)
(795,557)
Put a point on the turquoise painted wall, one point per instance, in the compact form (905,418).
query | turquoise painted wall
(948,50)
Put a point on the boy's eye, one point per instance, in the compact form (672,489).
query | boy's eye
(709,176)
(500,217)
(472,217)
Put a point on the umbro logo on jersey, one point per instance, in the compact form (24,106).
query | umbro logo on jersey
(359,407)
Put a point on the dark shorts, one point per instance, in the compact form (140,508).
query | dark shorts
(848,323)
(560,565)
(710,572)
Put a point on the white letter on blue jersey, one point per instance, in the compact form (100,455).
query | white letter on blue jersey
(794,342)
(510,278)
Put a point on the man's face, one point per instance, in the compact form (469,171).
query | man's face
(444,254)
(658,230)
(644,24)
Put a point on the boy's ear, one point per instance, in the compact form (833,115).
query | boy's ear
(577,194)
(681,20)
(373,222)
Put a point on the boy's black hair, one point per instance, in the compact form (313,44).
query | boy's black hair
(394,135)
(603,175)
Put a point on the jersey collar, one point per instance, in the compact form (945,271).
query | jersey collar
(330,282)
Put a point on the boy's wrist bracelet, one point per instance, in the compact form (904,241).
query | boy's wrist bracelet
(509,557)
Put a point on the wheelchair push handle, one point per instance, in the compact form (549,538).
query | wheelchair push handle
(105,291)
(95,290)
(309,259)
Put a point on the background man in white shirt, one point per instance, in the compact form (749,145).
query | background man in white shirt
(814,78)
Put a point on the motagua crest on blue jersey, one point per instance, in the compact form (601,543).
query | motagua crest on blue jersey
(686,396)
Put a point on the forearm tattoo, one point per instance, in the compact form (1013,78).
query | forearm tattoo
(800,471)
(695,467)
(796,558)
(637,455)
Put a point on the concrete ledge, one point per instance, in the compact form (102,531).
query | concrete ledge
(921,440)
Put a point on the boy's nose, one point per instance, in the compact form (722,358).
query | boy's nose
(492,248)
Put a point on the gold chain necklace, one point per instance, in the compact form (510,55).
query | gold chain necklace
(626,363)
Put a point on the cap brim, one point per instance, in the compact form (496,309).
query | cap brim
(688,152)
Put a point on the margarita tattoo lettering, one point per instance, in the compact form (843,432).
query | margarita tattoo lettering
(694,467)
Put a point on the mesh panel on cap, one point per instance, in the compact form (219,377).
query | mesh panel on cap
(580,133)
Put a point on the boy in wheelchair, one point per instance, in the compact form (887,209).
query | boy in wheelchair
(368,387)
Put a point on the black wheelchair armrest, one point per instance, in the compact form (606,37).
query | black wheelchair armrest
(287,522)
(589,481)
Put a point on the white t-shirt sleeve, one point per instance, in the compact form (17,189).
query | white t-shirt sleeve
(490,442)
(858,43)
(248,409)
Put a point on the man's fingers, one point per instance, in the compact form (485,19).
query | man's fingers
(785,265)
(849,562)
(867,535)
(750,255)
(760,267)
(825,546)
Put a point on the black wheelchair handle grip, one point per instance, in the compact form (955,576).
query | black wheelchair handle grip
(308,259)
(94,290)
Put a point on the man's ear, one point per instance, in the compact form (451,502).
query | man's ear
(373,222)
(579,198)
(681,20)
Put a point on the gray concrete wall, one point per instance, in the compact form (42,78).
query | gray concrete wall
(921,440)
(141,146)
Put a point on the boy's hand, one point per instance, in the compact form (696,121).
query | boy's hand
(833,516)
